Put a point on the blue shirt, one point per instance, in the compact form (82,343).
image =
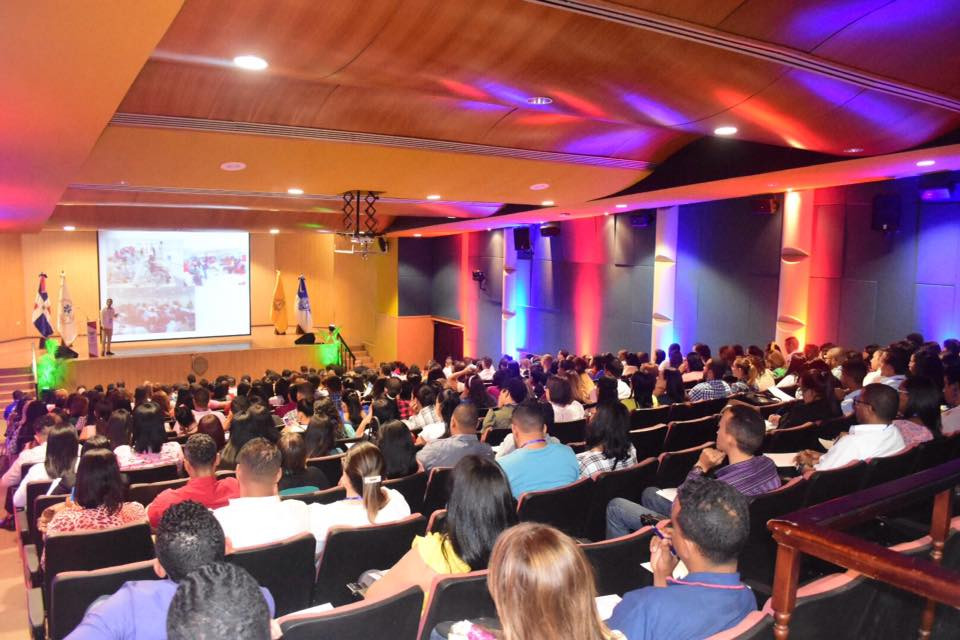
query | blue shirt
(549,467)
(694,608)
(138,611)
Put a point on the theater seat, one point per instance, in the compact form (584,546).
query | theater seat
(675,465)
(643,418)
(626,483)
(412,487)
(146,492)
(758,625)
(691,433)
(495,437)
(885,469)
(459,597)
(617,562)
(438,490)
(827,485)
(792,439)
(332,467)
(648,441)
(567,432)
(759,555)
(393,618)
(437,522)
(285,568)
(159,473)
(325,496)
(563,507)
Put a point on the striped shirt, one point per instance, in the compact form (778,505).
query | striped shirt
(751,477)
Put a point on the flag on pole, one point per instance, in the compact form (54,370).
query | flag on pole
(278,313)
(93,348)
(304,317)
(41,309)
(66,324)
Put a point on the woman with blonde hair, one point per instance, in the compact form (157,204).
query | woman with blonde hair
(746,373)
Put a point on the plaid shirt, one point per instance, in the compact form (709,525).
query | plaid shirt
(403,406)
(709,390)
(427,415)
(592,462)
(912,432)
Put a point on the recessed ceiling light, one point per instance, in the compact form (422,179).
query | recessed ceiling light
(540,186)
(725,130)
(451,217)
(418,235)
(926,163)
(295,191)
(621,206)
(250,63)
(547,203)
(539,100)
(274,231)
(606,213)
(321,231)
(233,166)
(489,229)
(433,196)
(853,150)
(69,227)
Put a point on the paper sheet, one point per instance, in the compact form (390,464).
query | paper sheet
(606,604)
(826,444)
(783,459)
(667,494)
(679,572)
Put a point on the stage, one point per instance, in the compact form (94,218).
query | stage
(167,361)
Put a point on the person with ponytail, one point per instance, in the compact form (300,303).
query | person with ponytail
(819,400)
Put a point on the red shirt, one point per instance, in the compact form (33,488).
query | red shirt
(208,491)
(403,406)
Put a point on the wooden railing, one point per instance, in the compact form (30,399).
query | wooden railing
(817,531)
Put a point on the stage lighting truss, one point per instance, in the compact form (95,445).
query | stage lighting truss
(360,225)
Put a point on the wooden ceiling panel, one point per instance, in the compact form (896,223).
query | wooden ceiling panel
(708,12)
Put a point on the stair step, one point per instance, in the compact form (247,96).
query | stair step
(10,371)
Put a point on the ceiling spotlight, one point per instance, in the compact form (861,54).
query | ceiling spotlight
(606,213)
(433,196)
(489,229)
(853,150)
(621,205)
(726,130)
(233,166)
(250,63)
(540,186)
(274,231)
(539,100)
(418,235)
(295,191)
(926,163)
(451,217)
(69,227)
(547,203)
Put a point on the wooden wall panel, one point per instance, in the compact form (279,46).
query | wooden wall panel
(11,272)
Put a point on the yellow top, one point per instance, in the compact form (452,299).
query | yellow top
(439,554)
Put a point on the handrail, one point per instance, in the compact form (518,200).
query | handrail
(346,351)
(815,531)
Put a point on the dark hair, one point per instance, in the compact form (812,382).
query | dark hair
(396,446)
(674,389)
(354,409)
(560,391)
(200,450)
(855,368)
(883,399)
(118,428)
(95,442)
(260,459)
(527,417)
(714,516)
(188,537)
(183,415)
(293,452)
(898,358)
(99,481)
(325,406)
(516,388)
(822,383)
(466,415)
(928,364)
(263,423)
(480,507)
(718,368)
(746,426)
(449,400)
(210,425)
(642,385)
(694,362)
(61,456)
(477,392)
(201,396)
(218,601)
(149,433)
(609,427)
(426,395)
(305,406)
(659,356)
(319,437)
(923,401)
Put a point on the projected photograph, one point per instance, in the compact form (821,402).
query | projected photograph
(173,284)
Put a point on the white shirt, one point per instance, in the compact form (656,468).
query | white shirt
(864,441)
(249,522)
(569,413)
(351,513)
(37,472)
(106,317)
(433,431)
(871,377)
(623,390)
(486,374)
(893,381)
(950,421)
(203,412)
(36,455)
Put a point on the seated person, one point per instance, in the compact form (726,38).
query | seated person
(184,422)
(396,446)
(560,396)
(852,373)
(201,405)
(462,442)
(874,436)
(608,446)
(59,465)
(36,454)
(713,386)
(819,400)
(950,420)
(739,437)
(219,601)
(536,464)
(188,537)
(297,476)
(920,408)
(150,447)
(200,459)
(514,392)
(709,524)
(479,509)
(424,408)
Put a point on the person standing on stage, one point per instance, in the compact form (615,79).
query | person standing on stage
(107,316)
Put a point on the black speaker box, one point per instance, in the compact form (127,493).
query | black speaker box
(550,229)
(886,212)
(764,206)
(521,238)
(64,353)
(307,338)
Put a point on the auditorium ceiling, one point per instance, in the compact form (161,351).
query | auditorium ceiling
(472,102)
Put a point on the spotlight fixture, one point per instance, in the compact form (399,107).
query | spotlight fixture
(606,213)
(274,231)
(926,163)
(451,217)
(295,191)
(69,227)
(250,63)
(418,235)
(547,203)
(540,186)
(725,130)
(233,166)
(433,196)
(622,205)
(539,100)
(853,150)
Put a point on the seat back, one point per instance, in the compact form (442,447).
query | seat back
(285,568)
(40,504)
(437,522)
(617,563)
(880,470)
(342,560)
(145,493)
(756,626)
(675,465)
(35,489)
(438,490)
(649,440)
(325,496)
(628,483)
(767,410)
(643,418)
(695,410)
(412,487)
(159,473)
(566,432)
(87,550)
(72,592)
(792,439)
(458,597)
(758,558)
(332,467)
(495,437)
(392,618)
(933,453)
(563,507)
(832,427)
(827,485)
(691,433)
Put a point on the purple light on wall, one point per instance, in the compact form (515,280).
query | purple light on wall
(649,108)
(473,105)
(832,91)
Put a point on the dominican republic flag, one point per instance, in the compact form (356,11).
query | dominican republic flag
(304,318)
(66,324)
(41,309)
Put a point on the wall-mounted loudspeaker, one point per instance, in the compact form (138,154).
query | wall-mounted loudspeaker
(765,206)
(550,229)
(521,238)
(886,212)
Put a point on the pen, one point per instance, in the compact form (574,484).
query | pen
(660,535)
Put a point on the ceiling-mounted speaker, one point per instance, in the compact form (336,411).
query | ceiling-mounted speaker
(521,238)
(550,229)
(886,212)
(382,243)
(767,205)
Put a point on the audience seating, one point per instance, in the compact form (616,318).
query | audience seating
(691,433)
(675,465)
(758,625)
(342,562)
(643,418)
(832,427)
(626,483)
(880,470)
(438,490)
(792,439)
(693,410)
(767,410)
(437,522)
(159,473)
(495,437)
(326,496)
(933,453)
(617,562)
(35,489)
(393,618)
(72,592)
(145,493)
(458,597)
(285,568)
(412,487)
(827,485)
(567,432)
(563,507)
(649,440)
(332,467)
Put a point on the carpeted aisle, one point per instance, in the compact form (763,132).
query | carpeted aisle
(13,598)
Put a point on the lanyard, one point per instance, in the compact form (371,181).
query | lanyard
(541,440)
